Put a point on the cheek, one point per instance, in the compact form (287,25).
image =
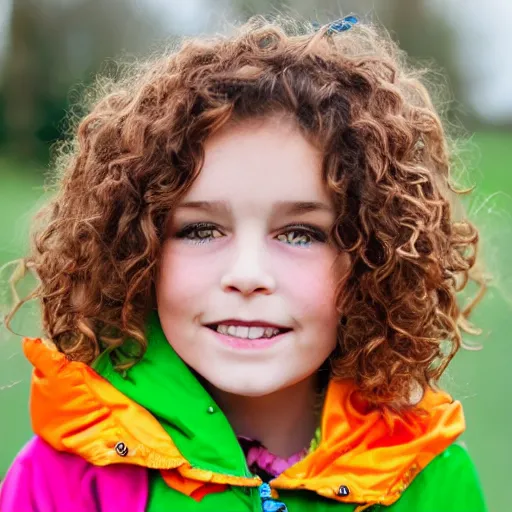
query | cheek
(181,280)
(311,285)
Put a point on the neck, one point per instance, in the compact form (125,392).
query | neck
(271,418)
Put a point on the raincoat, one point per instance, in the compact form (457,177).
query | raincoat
(154,440)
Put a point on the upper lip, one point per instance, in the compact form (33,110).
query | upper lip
(250,323)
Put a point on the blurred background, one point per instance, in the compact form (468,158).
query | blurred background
(51,49)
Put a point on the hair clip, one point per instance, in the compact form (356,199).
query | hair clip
(340,25)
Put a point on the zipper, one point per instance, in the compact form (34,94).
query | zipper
(269,504)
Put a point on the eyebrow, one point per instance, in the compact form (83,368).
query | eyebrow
(286,207)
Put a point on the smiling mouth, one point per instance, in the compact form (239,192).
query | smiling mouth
(248,332)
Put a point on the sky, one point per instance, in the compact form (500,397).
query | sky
(484,29)
(5,12)
(484,36)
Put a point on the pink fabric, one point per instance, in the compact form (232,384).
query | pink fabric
(42,479)
(259,456)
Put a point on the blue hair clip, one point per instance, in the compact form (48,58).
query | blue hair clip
(340,25)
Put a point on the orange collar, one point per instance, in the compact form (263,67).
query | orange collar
(374,454)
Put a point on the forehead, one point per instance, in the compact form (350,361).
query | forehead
(260,161)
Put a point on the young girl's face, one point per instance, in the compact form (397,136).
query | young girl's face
(247,251)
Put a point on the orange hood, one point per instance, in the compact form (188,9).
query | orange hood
(374,454)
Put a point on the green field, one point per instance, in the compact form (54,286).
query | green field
(478,379)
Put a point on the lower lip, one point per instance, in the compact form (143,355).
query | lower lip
(248,344)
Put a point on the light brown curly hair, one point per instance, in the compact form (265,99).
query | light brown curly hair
(386,164)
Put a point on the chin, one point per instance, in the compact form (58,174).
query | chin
(248,389)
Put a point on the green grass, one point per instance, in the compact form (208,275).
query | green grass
(479,379)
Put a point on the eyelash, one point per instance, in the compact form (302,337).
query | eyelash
(316,234)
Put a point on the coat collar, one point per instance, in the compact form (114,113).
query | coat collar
(160,416)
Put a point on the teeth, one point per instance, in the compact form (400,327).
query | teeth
(256,332)
(242,331)
(223,329)
(247,332)
(269,332)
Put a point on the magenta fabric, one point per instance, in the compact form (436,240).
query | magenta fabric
(270,463)
(260,458)
(42,479)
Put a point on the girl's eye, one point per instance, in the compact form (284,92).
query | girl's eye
(298,235)
(199,233)
(302,236)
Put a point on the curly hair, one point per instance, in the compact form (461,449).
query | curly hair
(386,164)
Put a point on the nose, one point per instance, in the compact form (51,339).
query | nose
(248,272)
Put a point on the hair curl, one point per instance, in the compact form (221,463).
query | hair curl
(386,164)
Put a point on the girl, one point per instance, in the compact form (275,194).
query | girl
(248,282)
